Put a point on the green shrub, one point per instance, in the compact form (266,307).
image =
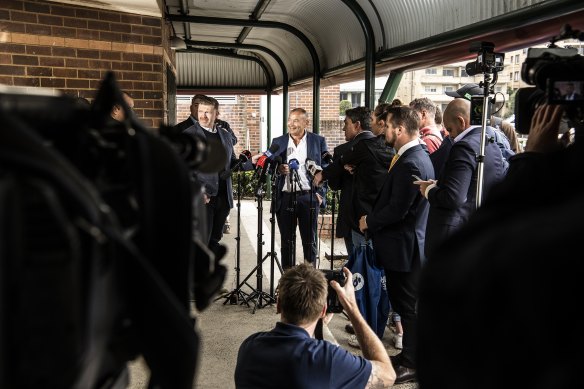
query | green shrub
(343,106)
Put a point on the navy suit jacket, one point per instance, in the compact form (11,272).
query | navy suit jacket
(454,199)
(211,180)
(316,147)
(397,223)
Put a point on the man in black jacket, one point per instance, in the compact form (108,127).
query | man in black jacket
(368,161)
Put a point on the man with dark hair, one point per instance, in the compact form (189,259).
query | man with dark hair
(192,119)
(218,187)
(290,357)
(367,160)
(397,224)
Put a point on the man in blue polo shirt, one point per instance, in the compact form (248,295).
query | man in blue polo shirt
(290,357)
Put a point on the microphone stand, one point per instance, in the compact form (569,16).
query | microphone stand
(295,181)
(237,294)
(272,253)
(258,295)
(313,226)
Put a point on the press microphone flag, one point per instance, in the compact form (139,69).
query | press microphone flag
(293,164)
(265,156)
(312,167)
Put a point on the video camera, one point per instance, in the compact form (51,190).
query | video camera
(332,299)
(93,209)
(487,60)
(558,76)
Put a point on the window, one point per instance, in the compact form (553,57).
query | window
(448,72)
(463,72)
(356,99)
(449,88)
(430,89)
(516,58)
(510,76)
(344,96)
(516,76)
(431,71)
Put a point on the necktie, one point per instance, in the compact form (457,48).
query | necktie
(393,161)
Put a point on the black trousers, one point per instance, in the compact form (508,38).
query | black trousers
(289,217)
(402,289)
(217,211)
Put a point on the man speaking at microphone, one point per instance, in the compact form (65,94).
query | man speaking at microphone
(299,144)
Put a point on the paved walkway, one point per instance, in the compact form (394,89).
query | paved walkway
(223,326)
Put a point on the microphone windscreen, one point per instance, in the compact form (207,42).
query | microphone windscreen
(273,148)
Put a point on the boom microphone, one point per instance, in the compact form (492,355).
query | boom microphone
(243,158)
(327,157)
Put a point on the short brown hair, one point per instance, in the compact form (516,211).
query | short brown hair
(302,294)
(424,104)
(404,116)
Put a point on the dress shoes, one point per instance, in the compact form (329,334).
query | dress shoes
(404,374)
(395,360)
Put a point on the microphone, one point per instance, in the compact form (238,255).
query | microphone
(312,167)
(265,156)
(327,157)
(294,165)
(243,158)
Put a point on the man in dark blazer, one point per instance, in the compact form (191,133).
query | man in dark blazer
(368,161)
(218,186)
(397,224)
(453,197)
(296,199)
(338,178)
(192,119)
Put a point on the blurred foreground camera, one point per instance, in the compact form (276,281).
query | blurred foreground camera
(332,299)
(558,77)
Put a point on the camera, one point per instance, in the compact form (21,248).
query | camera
(487,60)
(558,78)
(332,299)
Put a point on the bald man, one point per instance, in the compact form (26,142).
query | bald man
(452,197)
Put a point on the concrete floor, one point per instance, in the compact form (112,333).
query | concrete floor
(223,326)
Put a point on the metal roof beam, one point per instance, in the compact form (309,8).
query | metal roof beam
(285,81)
(269,24)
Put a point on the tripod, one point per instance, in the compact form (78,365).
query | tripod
(260,298)
(237,294)
(272,254)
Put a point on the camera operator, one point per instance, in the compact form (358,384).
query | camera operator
(290,357)
(527,263)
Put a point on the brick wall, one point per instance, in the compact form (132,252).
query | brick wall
(240,116)
(70,48)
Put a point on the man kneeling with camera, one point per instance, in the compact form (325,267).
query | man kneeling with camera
(290,357)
